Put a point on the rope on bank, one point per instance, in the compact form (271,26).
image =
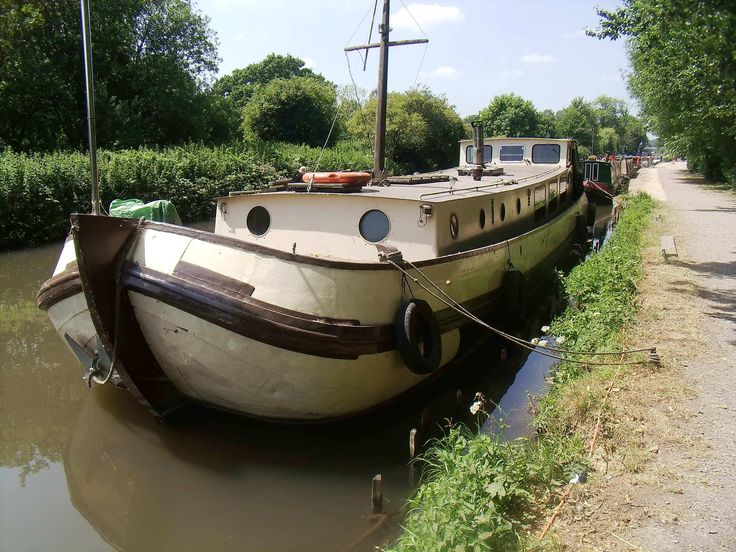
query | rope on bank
(552,352)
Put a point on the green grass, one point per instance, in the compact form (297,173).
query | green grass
(480,493)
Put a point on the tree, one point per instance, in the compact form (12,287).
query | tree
(684,75)
(509,115)
(240,85)
(579,121)
(152,61)
(298,110)
(422,130)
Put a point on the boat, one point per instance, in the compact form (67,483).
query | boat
(324,299)
(603,179)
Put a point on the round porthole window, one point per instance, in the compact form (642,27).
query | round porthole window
(454,226)
(482,219)
(518,205)
(503,211)
(258,221)
(374,225)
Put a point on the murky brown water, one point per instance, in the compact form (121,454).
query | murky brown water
(88,469)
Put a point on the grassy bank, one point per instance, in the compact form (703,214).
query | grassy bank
(481,493)
(38,192)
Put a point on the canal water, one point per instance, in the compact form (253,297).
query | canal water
(89,470)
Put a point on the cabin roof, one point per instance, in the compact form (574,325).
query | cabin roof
(515,175)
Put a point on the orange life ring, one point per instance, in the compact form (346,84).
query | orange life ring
(337,177)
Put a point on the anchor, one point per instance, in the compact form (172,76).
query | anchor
(97,364)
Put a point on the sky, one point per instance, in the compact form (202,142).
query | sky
(477,48)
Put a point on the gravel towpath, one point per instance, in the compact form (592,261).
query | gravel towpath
(678,492)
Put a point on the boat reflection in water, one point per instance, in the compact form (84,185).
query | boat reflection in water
(219,482)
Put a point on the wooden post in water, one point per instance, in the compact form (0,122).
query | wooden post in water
(91,131)
(412,455)
(377,494)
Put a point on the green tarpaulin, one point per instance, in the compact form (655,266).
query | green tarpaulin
(160,210)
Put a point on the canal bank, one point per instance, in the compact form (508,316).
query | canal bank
(665,474)
(482,492)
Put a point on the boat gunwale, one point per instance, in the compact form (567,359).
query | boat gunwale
(339,264)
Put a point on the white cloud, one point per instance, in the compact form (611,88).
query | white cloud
(444,72)
(537,58)
(309,63)
(426,15)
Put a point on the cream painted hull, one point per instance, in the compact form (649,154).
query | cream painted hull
(246,372)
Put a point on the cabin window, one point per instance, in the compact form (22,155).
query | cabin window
(591,171)
(511,153)
(503,212)
(546,153)
(258,221)
(374,225)
(518,205)
(487,154)
(539,202)
(454,226)
(482,219)
(553,195)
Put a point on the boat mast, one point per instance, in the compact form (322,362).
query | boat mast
(89,79)
(379,156)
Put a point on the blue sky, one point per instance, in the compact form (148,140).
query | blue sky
(477,48)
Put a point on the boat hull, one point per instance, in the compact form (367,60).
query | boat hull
(190,316)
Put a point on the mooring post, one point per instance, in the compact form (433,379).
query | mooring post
(377,494)
(412,455)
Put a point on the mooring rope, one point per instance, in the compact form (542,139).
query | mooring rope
(551,352)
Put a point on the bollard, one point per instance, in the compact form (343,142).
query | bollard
(377,494)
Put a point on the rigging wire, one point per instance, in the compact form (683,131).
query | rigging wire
(548,352)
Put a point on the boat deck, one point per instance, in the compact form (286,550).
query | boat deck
(453,186)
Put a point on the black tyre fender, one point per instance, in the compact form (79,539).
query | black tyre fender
(418,337)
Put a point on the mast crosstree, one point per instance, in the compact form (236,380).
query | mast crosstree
(379,156)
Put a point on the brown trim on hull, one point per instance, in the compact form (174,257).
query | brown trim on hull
(212,280)
(243,315)
(65,284)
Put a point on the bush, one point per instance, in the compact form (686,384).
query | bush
(38,192)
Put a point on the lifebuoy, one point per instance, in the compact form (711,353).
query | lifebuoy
(351,178)
(418,337)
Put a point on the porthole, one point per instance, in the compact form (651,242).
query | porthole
(503,212)
(374,226)
(258,221)
(518,205)
(454,226)
(482,219)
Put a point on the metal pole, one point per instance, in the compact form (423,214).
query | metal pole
(89,76)
(381,97)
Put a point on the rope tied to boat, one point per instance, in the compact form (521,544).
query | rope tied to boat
(552,352)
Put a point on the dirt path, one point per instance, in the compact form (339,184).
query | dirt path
(666,476)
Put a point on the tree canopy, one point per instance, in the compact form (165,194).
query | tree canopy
(298,110)
(509,115)
(152,60)
(683,56)
(422,130)
(240,85)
